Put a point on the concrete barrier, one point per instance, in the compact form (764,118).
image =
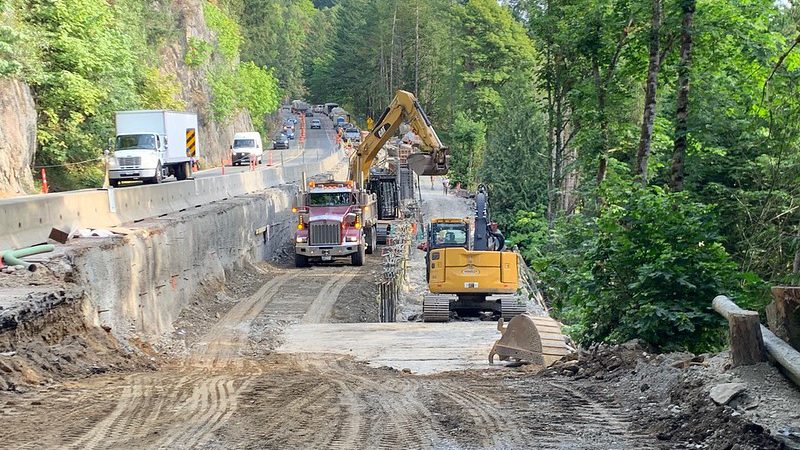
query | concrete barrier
(27,221)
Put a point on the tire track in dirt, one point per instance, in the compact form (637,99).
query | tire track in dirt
(210,392)
(320,309)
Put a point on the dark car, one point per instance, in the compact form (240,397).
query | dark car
(309,113)
(281,141)
(315,124)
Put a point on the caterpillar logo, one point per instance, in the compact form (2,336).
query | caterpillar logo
(191,142)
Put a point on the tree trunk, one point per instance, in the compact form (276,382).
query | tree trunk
(391,52)
(416,51)
(601,113)
(649,115)
(682,110)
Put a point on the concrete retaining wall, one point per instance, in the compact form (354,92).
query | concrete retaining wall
(26,221)
(139,284)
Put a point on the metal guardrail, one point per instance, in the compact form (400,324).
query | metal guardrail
(26,221)
(395,264)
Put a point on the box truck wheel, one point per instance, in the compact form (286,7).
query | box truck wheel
(300,260)
(159,176)
(358,257)
(113,183)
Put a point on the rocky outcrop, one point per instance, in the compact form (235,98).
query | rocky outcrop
(215,136)
(17,137)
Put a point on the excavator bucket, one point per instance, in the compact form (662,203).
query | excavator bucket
(428,164)
(536,340)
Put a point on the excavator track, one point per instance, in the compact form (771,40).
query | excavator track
(511,307)
(436,308)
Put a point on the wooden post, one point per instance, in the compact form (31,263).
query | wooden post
(747,343)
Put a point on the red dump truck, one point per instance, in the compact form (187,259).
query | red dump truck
(334,220)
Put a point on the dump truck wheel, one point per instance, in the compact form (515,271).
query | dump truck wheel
(358,257)
(300,260)
(372,239)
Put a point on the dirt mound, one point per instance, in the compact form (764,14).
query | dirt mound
(671,396)
(37,349)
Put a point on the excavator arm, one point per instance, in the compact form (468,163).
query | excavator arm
(433,160)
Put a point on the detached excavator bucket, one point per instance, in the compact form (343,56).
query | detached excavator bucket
(536,340)
(428,164)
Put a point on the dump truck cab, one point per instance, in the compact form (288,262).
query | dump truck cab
(334,220)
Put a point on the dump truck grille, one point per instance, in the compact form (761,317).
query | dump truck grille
(129,161)
(325,233)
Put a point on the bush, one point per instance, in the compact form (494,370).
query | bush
(197,52)
(647,267)
(229,38)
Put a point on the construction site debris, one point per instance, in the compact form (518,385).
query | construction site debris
(723,393)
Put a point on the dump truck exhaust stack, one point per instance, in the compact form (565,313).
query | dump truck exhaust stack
(430,164)
(528,338)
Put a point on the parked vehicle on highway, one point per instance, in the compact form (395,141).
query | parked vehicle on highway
(328,107)
(246,146)
(315,124)
(281,141)
(352,134)
(299,107)
(151,145)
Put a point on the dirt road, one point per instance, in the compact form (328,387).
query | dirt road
(224,387)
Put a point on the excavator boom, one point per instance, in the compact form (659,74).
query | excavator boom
(404,107)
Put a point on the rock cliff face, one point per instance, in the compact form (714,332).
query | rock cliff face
(215,136)
(17,138)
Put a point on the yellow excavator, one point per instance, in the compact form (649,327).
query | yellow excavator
(432,158)
(471,273)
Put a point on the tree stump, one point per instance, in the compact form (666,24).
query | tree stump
(783,314)
(747,343)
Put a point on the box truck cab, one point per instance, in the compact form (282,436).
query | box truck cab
(247,146)
(153,145)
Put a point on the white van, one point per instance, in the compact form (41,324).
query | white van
(245,146)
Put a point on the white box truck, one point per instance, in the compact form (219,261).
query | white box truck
(247,146)
(153,145)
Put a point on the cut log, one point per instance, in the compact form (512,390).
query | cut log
(779,351)
(747,343)
(783,314)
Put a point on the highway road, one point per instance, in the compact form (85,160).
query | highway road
(318,145)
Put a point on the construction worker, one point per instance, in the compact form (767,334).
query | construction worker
(445,184)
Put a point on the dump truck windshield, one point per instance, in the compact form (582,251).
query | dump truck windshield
(136,141)
(329,199)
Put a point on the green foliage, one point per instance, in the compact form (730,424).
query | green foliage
(467,143)
(224,83)
(259,92)
(229,37)
(646,267)
(90,69)
(161,91)
(248,87)
(198,52)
